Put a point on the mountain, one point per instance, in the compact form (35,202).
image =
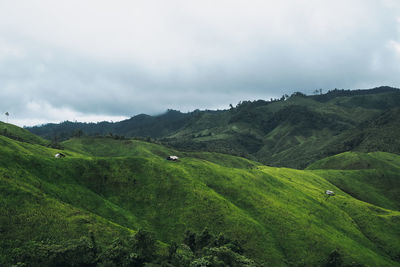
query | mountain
(107,188)
(291,132)
(138,126)
(377,134)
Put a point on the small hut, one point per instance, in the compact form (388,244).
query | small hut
(173,158)
(59,155)
(329,193)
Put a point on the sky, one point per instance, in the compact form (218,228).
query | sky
(98,60)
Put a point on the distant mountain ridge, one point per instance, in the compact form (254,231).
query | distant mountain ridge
(292,131)
(141,125)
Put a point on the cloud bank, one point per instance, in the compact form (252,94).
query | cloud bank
(108,60)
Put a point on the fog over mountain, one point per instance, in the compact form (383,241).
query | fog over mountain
(102,60)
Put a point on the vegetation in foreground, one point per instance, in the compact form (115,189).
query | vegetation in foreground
(107,190)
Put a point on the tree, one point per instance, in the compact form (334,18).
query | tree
(297,94)
(78,133)
(334,259)
(7,114)
(55,143)
(74,252)
(144,245)
(172,250)
(190,240)
(203,239)
(117,253)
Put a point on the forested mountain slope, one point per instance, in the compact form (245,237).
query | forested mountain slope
(292,131)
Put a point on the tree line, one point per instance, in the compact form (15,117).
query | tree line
(140,249)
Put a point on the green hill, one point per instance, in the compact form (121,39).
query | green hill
(377,134)
(108,188)
(291,131)
(19,134)
(371,177)
(296,131)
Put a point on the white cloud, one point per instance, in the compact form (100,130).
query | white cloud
(121,58)
(41,113)
(395,45)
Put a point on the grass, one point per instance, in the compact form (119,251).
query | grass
(371,177)
(113,187)
(21,134)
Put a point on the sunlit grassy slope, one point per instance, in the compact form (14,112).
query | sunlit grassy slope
(372,177)
(111,187)
(20,134)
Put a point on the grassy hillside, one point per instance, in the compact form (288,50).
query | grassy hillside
(17,133)
(371,177)
(32,208)
(291,131)
(110,187)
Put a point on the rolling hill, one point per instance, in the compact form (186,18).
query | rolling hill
(106,188)
(371,177)
(19,134)
(291,131)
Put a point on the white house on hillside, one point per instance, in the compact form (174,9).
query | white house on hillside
(173,158)
(59,155)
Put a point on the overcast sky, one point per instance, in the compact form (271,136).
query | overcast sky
(109,60)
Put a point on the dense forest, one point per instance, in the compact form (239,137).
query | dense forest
(139,249)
